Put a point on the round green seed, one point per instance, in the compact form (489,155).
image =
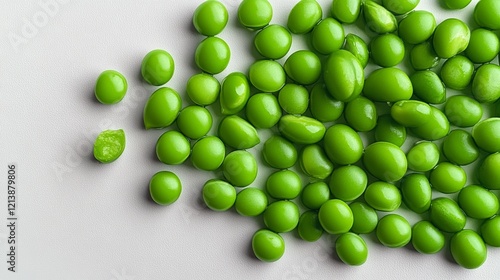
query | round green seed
(463,111)
(309,227)
(468,249)
(268,246)
(240,168)
(426,238)
(273,42)
(218,195)
(238,133)
(208,153)
(314,162)
(446,215)
(351,249)
(411,113)
(194,121)
(301,129)
(423,56)
(293,99)
(436,128)
(162,108)
(459,147)
(484,86)
(486,133)
(322,106)
(212,55)
(348,182)
(279,152)
(365,217)
(203,89)
(210,18)
(109,145)
(314,195)
(304,16)
(383,196)
(355,45)
(173,148)
(388,130)
(387,50)
(346,11)
(488,173)
(284,184)
(457,72)
(267,75)
(448,178)
(483,46)
(234,93)
(378,19)
(487,14)
(281,216)
(335,216)
(251,202)
(385,161)
(428,87)
(165,187)
(490,231)
(393,231)
(110,87)
(388,85)
(343,144)
(423,156)
(400,7)
(263,110)
(478,202)
(416,192)
(255,14)
(417,27)
(343,75)
(451,37)
(361,114)
(304,67)
(327,36)
(157,67)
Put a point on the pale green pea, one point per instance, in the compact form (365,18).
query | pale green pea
(423,156)
(417,27)
(263,110)
(383,196)
(378,19)
(478,202)
(436,128)
(343,144)
(388,130)
(457,72)
(351,249)
(385,161)
(423,56)
(304,67)
(426,238)
(251,202)
(388,85)
(346,11)
(173,148)
(110,87)
(240,168)
(355,45)
(255,14)
(343,75)
(309,228)
(281,216)
(463,111)
(322,106)
(488,173)
(348,182)
(203,89)
(451,37)
(446,215)
(327,36)
(279,152)
(234,93)
(335,216)
(238,133)
(365,217)
(361,114)
(483,46)
(268,246)
(387,50)
(162,108)
(194,121)
(208,153)
(393,231)
(485,87)
(301,129)
(210,18)
(212,55)
(416,192)
(411,113)
(273,42)
(157,67)
(314,195)
(490,231)
(284,184)
(428,87)
(314,162)
(400,7)
(459,147)
(165,187)
(468,249)
(293,99)
(304,16)
(486,133)
(487,14)
(109,145)
(218,195)
(267,75)
(448,178)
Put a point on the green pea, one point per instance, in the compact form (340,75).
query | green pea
(314,195)
(488,172)
(490,231)
(486,133)
(423,56)
(387,50)
(234,94)
(109,145)
(267,75)
(343,75)
(309,228)
(279,152)
(478,202)
(301,129)
(378,19)
(388,85)
(484,84)
(428,87)
(255,14)
(459,147)
(238,133)
(348,182)
(273,42)
(218,195)
(351,249)
(157,67)
(361,114)
(426,238)
(487,14)
(250,202)
(194,121)
(457,72)
(385,161)
(304,16)
(411,113)
(293,99)
(383,196)
(448,178)
(417,27)
(210,18)
(281,216)
(304,67)
(268,246)
(423,156)
(446,215)
(463,111)
(165,187)
(323,107)
(400,7)
(393,231)
(483,46)
(346,11)
(203,89)
(365,218)
(263,110)
(355,45)
(436,128)
(314,162)
(110,87)
(388,130)
(451,37)
(173,148)
(343,144)
(456,4)
(335,216)
(468,249)
(416,192)
(208,153)
(283,184)
(327,36)
(240,168)
(212,55)
(162,108)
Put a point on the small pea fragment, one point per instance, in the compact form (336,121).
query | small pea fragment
(234,93)
(327,36)
(416,192)
(423,56)
(157,67)
(487,14)
(388,85)
(343,144)
(451,37)
(173,148)
(478,202)
(361,114)
(322,105)
(309,228)
(488,172)
(385,161)
(301,129)
(255,14)
(110,87)
(400,7)
(304,67)
(355,45)
(210,18)
(314,195)
(314,162)
(378,19)
(267,75)
(263,110)
(486,133)
(484,84)
(483,46)
(283,184)
(208,153)
(268,246)
(490,231)
(343,75)
(393,231)
(293,99)
(446,215)
(468,249)
(203,89)
(456,4)
(417,27)
(428,87)
(251,202)
(212,55)
(387,50)
(423,156)
(335,216)
(279,152)
(383,196)
(218,195)
(238,133)
(457,72)
(304,16)
(109,145)
(240,168)
(194,121)
(165,187)
(463,111)
(426,238)
(348,182)
(436,128)
(388,130)
(162,108)
(273,42)
(346,11)
(281,216)
(459,147)
(411,113)
(351,249)
(365,217)
(448,178)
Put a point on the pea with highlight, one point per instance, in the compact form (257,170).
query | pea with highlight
(210,18)
(293,99)
(304,67)
(304,16)
(346,11)
(283,184)
(483,46)
(314,162)
(451,37)
(255,14)
(322,105)
(417,27)
(423,56)
(388,130)
(393,231)
(457,72)
(378,19)
(387,50)
(212,55)
(327,36)
(263,110)
(361,114)
(273,42)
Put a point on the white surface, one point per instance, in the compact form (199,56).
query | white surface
(83,220)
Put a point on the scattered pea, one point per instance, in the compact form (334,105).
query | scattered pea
(451,37)
(457,72)
(468,249)
(309,228)
(109,145)
(423,156)
(478,202)
(234,93)
(343,75)
(304,67)
(488,172)
(263,110)
(487,14)
(203,89)
(416,192)
(335,216)
(436,128)
(351,249)
(365,217)
(267,75)
(361,114)
(212,55)
(393,231)
(110,87)
(446,215)
(383,196)
(448,178)
(314,162)
(268,246)
(483,46)
(210,18)
(279,152)
(411,113)
(238,133)
(165,187)
(343,144)
(387,50)
(484,84)
(385,161)
(284,184)
(162,108)
(463,111)
(486,133)
(251,202)
(426,238)
(423,56)
(355,45)
(293,99)
(194,121)
(400,7)
(322,106)
(346,11)
(327,36)
(240,168)
(208,153)
(304,16)
(218,195)
(388,130)
(490,231)
(456,4)
(255,14)
(314,195)
(378,19)
(459,147)
(428,87)
(157,67)
(281,216)
(273,42)
(301,129)
(417,27)
(388,85)
(173,148)
(348,182)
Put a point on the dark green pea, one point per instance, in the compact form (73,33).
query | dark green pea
(365,217)
(361,114)
(301,129)
(436,128)
(457,72)
(309,227)
(411,113)
(378,19)
(426,238)
(488,173)
(327,36)
(238,133)
(279,152)
(355,45)
(385,161)
(346,11)
(416,192)
(323,107)
(463,111)
(468,249)
(485,86)
(451,37)
(490,231)
(446,215)
(234,94)
(423,56)
(388,130)
(460,148)
(428,87)
(388,85)
(315,194)
(314,162)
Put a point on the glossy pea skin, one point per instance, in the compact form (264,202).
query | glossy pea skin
(162,108)
(400,7)
(212,55)
(281,216)
(255,14)
(488,173)
(379,19)
(448,178)
(459,147)
(486,133)
(208,153)
(361,114)
(428,87)
(446,215)
(293,99)
(240,168)
(355,45)
(490,231)
(416,192)
(423,56)
(436,128)
(483,46)
(251,202)
(457,72)
(411,113)
(157,67)
(309,228)
(327,36)
(173,148)
(468,249)
(484,84)
(343,75)
(263,110)
(203,89)
(393,231)
(348,182)
(478,202)
(343,144)
(365,217)
(451,37)
(268,246)
(238,133)
(463,111)
(304,67)
(335,216)
(279,152)
(273,42)
(194,121)
(322,105)
(301,129)
(267,75)
(283,184)
(383,196)
(218,195)
(314,162)
(423,156)
(234,94)
(456,4)
(110,87)
(388,85)
(165,187)
(109,145)
(385,161)
(487,14)
(426,238)
(351,249)
(417,27)
(346,11)
(388,130)
(314,195)
(304,16)
(210,18)
(387,50)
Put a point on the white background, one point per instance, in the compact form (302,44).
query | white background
(82,220)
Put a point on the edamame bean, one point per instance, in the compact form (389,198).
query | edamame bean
(451,37)
(436,128)
(314,162)
(378,19)
(388,130)
(365,217)
(456,4)
(208,153)
(255,14)
(417,27)
(273,42)
(323,107)
(283,184)
(486,133)
(463,111)
(279,152)
(218,195)
(238,133)
(304,16)
(343,75)
(383,196)
(194,121)
(267,75)
(478,202)
(293,99)
(110,87)
(387,50)
(484,84)
(400,7)
(268,246)
(212,55)
(348,182)
(304,67)
(314,195)
(355,45)
(487,14)
(426,238)
(459,147)
(327,36)
(263,110)
(488,172)
(162,108)
(388,85)
(361,114)
(385,161)
(109,145)
(393,231)
(157,67)
(173,148)
(346,11)
(468,249)
(351,249)
(457,72)
(301,129)
(281,216)
(165,187)
(490,231)
(335,216)
(250,202)
(483,46)
(240,168)
(428,87)
(411,113)
(210,18)
(423,56)
(448,178)
(446,215)
(203,89)
(423,156)
(309,228)
(342,144)
(416,192)
(234,93)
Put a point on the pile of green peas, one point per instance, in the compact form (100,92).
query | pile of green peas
(321,107)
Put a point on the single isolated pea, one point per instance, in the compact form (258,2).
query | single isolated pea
(219,195)
(378,19)
(463,111)
(208,153)
(365,217)
(358,47)
(173,148)
(436,128)
(162,108)
(346,11)
(468,249)
(423,156)
(314,162)
(109,145)
(387,50)
(393,231)
(388,130)
(210,18)
(487,14)
(448,178)
(416,192)
(478,202)
(234,93)
(488,173)
(281,216)
(315,194)
(361,114)
(451,37)
(251,202)
(460,148)
(486,133)
(157,67)
(267,75)
(348,182)
(446,215)
(335,216)
(203,89)
(385,161)
(456,4)
(322,105)
(483,46)
(490,231)
(428,87)
(263,110)
(388,85)
(457,72)
(417,27)
(342,144)
(284,184)
(426,238)
(301,129)
(343,75)
(327,36)
(194,121)
(423,56)
(255,14)
(400,7)
(273,42)
(411,113)
(383,196)
(351,249)
(293,99)
(110,87)
(304,16)
(238,133)
(279,152)
(309,227)
(304,67)
(212,55)
(268,246)
(484,84)
(165,187)
(240,168)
